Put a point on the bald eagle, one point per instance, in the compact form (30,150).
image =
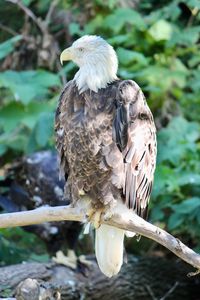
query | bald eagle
(106,139)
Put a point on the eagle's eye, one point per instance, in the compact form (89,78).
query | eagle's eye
(81,49)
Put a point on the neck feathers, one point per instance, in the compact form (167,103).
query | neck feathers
(97,73)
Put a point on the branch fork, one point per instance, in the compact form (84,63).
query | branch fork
(133,223)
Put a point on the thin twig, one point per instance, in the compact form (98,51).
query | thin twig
(194,13)
(14,33)
(29,13)
(50,11)
(134,223)
(170,291)
(151,293)
(9,30)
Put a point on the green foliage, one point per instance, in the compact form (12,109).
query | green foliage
(26,128)
(177,179)
(157,50)
(158,46)
(8,46)
(26,118)
(16,245)
(28,85)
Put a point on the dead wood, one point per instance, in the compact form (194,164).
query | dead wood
(140,279)
(134,223)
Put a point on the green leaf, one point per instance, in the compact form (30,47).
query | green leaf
(192,3)
(11,115)
(74,28)
(119,39)
(188,178)
(194,60)
(185,37)
(157,214)
(8,46)
(14,114)
(188,206)
(175,220)
(123,16)
(175,141)
(127,56)
(28,85)
(194,82)
(32,145)
(3,149)
(27,2)
(161,30)
(92,26)
(165,181)
(44,129)
(17,142)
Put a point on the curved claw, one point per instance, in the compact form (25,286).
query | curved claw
(95,216)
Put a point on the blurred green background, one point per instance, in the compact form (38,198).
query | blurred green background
(158,46)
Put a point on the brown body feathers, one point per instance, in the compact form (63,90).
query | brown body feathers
(107,144)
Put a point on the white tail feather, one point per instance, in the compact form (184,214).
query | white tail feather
(109,245)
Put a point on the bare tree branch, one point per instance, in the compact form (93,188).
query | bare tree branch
(50,11)
(133,223)
(170,291)
(30,14)
(10,31)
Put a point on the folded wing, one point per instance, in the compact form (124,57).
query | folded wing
(135,135)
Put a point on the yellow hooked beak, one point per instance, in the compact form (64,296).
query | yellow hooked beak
(66,55)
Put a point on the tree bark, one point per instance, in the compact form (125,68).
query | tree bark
(146,278)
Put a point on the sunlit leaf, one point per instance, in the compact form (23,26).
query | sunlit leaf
(161,30)
(27,2)
(127,56)
(8,46)
(28,85)
(44,129)
(175,141)
(123,16)
(185,37)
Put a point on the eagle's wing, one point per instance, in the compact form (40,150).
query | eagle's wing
(135,135)
(59,132)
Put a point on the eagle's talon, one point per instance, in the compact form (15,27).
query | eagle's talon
(90,213)
(94,216)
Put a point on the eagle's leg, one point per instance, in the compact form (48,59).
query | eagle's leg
(95,215)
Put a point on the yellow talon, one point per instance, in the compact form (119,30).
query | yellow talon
(94,216)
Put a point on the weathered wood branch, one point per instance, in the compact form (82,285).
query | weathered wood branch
(134,223)
(168,280)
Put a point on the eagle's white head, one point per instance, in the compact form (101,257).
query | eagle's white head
(97,62)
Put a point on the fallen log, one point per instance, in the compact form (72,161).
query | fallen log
(146,278)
